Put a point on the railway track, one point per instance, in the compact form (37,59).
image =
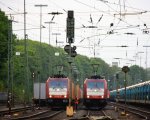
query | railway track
(142,113)
(26,113)
(14,110)
(44,115)
(134,110)
(98,115)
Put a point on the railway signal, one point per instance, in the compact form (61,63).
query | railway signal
(73,52)
(70,35)
(33,75)
(70,27)
(9,102)
(67,48)
(125,69)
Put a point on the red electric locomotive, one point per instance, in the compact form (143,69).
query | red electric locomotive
(58,91)
(95,92)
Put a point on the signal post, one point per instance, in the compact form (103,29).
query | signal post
(71,52)
(125,69)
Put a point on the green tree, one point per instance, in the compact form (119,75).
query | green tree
(4,29)
(137,74)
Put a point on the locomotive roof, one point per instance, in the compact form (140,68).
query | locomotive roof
(58,76)
(96,77)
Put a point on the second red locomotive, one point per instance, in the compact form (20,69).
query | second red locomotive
(95,92)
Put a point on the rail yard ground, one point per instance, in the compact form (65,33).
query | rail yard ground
(108,113)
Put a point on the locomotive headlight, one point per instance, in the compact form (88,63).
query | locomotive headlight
(50,96)
(58,89)
(102,96)
(88,96)
(65,96)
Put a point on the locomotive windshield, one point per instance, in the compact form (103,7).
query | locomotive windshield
(58,87)
(58,84)
(93,84)
(95,88)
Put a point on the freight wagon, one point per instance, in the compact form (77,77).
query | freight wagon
(39,93)
(138,93)
(3,97)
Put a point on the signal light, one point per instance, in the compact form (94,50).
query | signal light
(73,53)
(70,14)
(33,75)
(117,75)
(70,27)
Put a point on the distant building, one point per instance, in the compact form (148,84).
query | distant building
(115,64)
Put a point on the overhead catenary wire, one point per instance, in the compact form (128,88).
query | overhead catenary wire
(120,29)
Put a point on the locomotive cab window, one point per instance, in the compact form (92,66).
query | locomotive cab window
(58,84)
(98,85)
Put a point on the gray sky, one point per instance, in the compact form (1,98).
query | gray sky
(129,18)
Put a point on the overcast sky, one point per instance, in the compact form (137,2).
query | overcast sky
(125,19)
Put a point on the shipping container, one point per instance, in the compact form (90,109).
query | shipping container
(39,92)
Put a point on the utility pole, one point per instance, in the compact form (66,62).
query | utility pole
(56,37)
(9,67)
(49,29)
(117,95)
(11,62)
(26,53)
(40,5)
(146,59)
(141,52)
(26,64)
(10,81)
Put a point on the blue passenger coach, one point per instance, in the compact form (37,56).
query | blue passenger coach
(138,93)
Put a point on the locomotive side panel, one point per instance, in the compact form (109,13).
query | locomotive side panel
(73,90)
(78,92)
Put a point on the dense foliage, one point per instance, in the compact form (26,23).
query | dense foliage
(4,29)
